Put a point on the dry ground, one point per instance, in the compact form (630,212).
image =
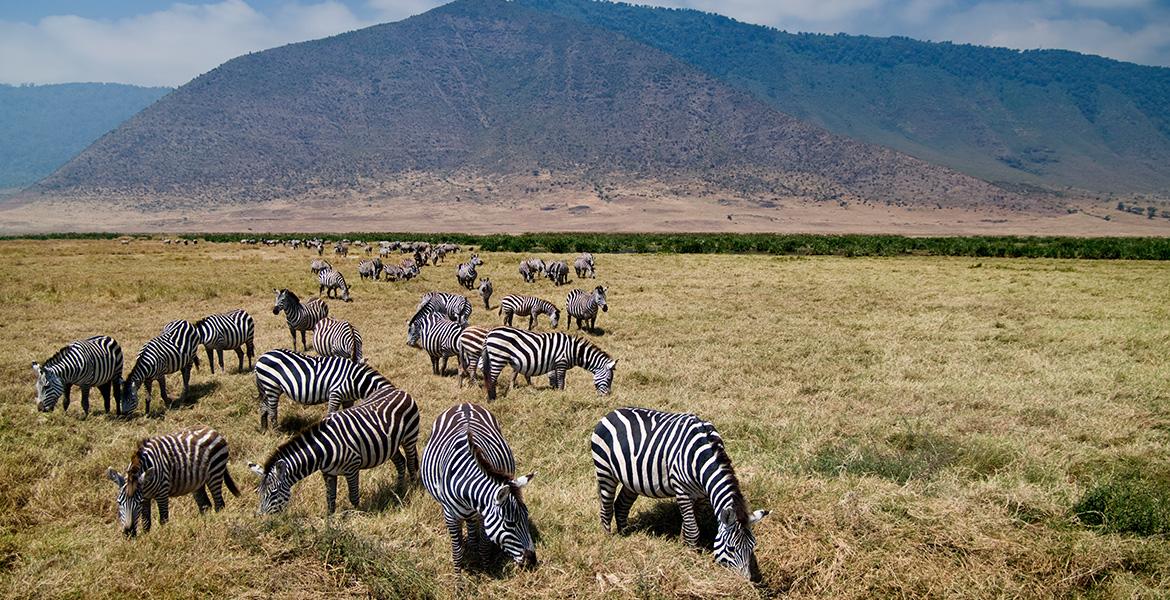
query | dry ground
(918,428)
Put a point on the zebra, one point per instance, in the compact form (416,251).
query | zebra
(469,345)
(558,272)
(370,269)
(330,281)
(465,272)
(674,455)
(454,306)
(92,362)
(536,265)
(584,266)
(233,330)
(384,426)
(168,466)
(436,334)
(319,265)
(527,273)
(468,468)
(438,255)
(334,337)
(394,273)
(341,249)
(485,292)
(300,317)
(538,353)
(311,380)
(175,349)
(528,306)
(582,306)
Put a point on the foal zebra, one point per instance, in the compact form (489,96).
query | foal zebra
(168,466)
(528,306)
(330,281)
(175,349)
(538,353)
(465,273)
(370,269)
(582,306)
(673,455)
(227,331)
(436,334)
(334,337)
(470,346)
(485,292)
(454,306)
(383,427)
(300,317)
(311,380)
(468,468)
(92,362)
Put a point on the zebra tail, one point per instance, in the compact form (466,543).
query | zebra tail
(231,485)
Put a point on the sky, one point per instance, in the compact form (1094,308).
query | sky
(151,42)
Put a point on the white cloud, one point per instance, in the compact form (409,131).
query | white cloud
(396,10)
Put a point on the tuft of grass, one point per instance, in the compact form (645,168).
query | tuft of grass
(1133,499)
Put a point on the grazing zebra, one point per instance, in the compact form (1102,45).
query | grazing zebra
(470,346)
(227,331)
(319,265)
(454,306)
(485,292)
(582,306)
(536,265)
(381,428)
(584,266)
(436,334)
(311,380)
(395,272)
(175,349)
(92,362)
(673,455)
(341,249)
(468,468)
(300,317)
(169,466)
(334,337)
(538,353)
(465,273)
(331,280)
(528,306)
(370,269)
(527,273)
(558,272)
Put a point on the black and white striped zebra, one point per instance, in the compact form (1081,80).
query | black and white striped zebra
(465,273)
(335,337)
(558,272)
(584,266)
(233,330)
(168,466)
(528,306)
(526,272)
(311,380)
(454,306)
(485,292)
(318,265)
(470,346)
(176,349)
(673,455)
(92,362)
(582,306)
(468,468)
(436,334)
(331,280)
(300,316)
(536,265)
(383,427)
(370,269)
(538,353)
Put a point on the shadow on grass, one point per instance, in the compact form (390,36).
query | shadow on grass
(197,392)
(394,495)
(663,519)
(295,422)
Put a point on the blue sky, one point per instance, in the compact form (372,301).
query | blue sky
(150,42)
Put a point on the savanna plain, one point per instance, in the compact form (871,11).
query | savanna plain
(918,427)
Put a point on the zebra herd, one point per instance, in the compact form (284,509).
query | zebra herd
(467,465)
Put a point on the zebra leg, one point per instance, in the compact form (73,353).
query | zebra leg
(186,384)
(293,333)
(606,488)
(531,321)
(215,487)
(105,390)
(149,392)
(477,539)
(85,401)
(621,507)
(410,448)
(455,531)
(145,515)
(690,525)
(251,354)
(162,391)
(164,509)
(351,481)
(434,364)
(330,492)
(239,357)
(443,369)
(399,465)
(201,500)
(65,400)
(219,354)
(304,344)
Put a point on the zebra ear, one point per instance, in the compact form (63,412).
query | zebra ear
(255,468)
(502,493)
(756,516)
(525,480)
(36,368)
(115,477)
(727,516)
(146,474)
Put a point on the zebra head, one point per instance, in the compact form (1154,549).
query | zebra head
(49,388)
(599,298)
(506,522)
(476,260)
(130,389)
(129,497)
(603,376)
(281,302)
(274,489)
(414,332)
(735,545)
(554,317)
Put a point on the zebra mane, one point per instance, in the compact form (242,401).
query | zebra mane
(721,458)
(57,356)
(492,472)
(288,445)
(292,298)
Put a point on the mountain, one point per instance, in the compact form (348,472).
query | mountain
(1051,118)
(483,87)
(43,126)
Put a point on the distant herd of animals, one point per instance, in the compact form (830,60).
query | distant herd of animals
(467,465)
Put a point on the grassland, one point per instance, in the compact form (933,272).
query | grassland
(919,426)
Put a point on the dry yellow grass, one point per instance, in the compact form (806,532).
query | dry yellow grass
(918,428)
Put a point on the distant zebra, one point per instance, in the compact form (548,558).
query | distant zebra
(582,306)
(332,280)
(536,265)
(583,265)
(485,292)
(470,346)
(370,269)
(465,273)
(454,306)
(394,273)
(175,349)
(527,273)
(311,380)
(168,466)
(92,362)
(341,249)
(538,353)
(528,306)
(233,330)
(383,427)
(319,265)
(558,272)
(300,317)
(468,468)
(672,455)
(437,335)
(335,337)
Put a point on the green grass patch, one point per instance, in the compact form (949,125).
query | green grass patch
(1133,498)
(911,453)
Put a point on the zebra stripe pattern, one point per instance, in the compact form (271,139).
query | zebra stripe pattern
(468,468)
(584,265)
(335,337)
(470,346)
(331,280)
(528,306)
(175,349)
(582,306)
(465,273)
(168,466)
(436,334)
(485,292)
(383,427)
(227,331)
(453,306)
(558,272)
(300,316)
(538,353)
(311,380)
(92,362)
(370,269)
(673,455)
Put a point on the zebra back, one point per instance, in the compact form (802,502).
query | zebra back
(311,380)
(336,337)
(226,331)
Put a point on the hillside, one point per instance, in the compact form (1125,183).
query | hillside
(43,126)
(1051,118)
(483,88)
